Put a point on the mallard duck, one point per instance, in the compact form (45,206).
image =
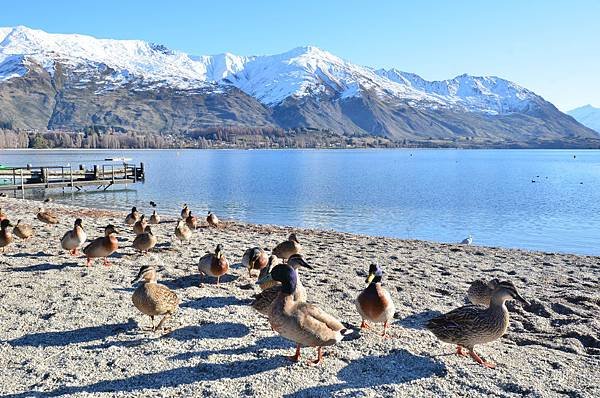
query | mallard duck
(212,220)
(470,325)
(285,249)
(213,264)
(182,232)
(480,292)
(73,239)
(191,221)
(46,217)
(154,218)
(305,324)
(153,299)
(263,300)
(185,212)
(255,258)
(133,216)
(6,237)
(375,303)
(145,241)
(273,261)
(140,225)
(103,246)
(22,230)
(2,215)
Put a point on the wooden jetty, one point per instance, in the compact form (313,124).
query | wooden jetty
(45,177)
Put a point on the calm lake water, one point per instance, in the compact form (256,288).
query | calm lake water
(439,195)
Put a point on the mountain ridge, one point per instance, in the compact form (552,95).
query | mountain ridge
(67,81)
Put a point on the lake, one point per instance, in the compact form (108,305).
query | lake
(432,194)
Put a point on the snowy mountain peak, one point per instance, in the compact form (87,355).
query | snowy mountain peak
(306,71)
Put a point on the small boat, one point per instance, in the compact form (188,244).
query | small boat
(117,159)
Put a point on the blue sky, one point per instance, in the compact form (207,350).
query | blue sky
(550,47)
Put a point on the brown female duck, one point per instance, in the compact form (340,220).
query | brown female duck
(47,217)
(22,230)
(73,239)
(133,216)
(471,325)
(103,246)
(146,241)
(480,292)
(191,221)
(182,232)
(152,298)
(287,248)
(140,225)
(154,218)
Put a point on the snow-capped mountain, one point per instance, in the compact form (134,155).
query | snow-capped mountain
(303,71)
(84,80)
(588,116)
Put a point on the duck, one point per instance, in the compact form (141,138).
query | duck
(140,225)
(213,264)
(305,324)
(191,221)
(133,216)
(6,237)
(212,220)
(103,246)
(185,212)
(255,258)
(471,325)
(46,217)
(152,203)
(2,215)
(182,232)
(73,239)
(375,303)
(273,261)
(145,241)
(152,298)
(287,248)
(22,230)
(263,300)
(154,218)
(480,292)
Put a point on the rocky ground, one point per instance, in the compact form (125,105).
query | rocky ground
(67,329)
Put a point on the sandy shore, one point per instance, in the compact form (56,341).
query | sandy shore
(70,330)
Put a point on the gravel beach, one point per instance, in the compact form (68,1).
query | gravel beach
(68,329)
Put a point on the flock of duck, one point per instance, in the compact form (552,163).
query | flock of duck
(283,299)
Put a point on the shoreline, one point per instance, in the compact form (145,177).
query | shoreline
(68,329)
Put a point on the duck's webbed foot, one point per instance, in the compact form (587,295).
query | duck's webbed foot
(319,357)
(296,356)
(478,359)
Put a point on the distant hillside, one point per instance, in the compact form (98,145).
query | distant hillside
(588,116)
(74,82)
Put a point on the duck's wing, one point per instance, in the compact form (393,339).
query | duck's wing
(460,319)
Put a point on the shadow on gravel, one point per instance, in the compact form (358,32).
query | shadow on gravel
(34,255)
(44,267)
(417,321)
(266,343)
(399,366)
(66,337)
(166,378)
(194,280)
(222,330)
(215,302)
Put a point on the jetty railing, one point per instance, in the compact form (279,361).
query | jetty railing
(44,177)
